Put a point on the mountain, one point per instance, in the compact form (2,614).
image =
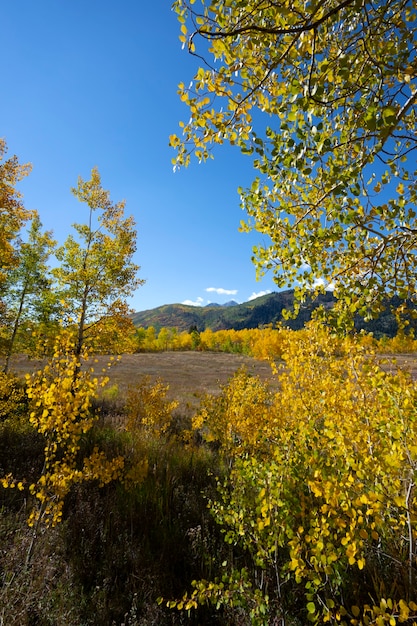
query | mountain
(255,313)
(230,303)
(258,312)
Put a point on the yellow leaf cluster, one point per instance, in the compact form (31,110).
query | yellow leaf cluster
(60,409)
(148,410)
(12,396)
(229,418)
(322,474)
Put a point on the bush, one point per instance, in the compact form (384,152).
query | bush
(321,490)
(13,399)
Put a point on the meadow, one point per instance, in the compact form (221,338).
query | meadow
(188,374)
(79,569)
(211,488)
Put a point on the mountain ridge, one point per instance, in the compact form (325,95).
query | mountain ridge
(262,311)
(266,309)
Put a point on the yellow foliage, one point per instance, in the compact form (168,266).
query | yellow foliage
(261,343)
(114,334)
(229,418)
(322,480)
(13,214)
(60,398)
(13,398)
(148,410)
(149,416)
(401,343)
(265,343)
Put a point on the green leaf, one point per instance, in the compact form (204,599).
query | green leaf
(311,607)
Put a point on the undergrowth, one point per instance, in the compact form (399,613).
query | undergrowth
(268,506)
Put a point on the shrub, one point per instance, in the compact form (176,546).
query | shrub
(148,409)
(321,490)
(13,399)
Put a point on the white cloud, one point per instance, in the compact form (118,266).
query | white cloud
(259,294)
(319,282)
(222,292)
(198,302)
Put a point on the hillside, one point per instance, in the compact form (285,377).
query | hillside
(258,312)
(253,314)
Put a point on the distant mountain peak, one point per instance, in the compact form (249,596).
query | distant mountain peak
(226,304)
(261,311)
(266,309)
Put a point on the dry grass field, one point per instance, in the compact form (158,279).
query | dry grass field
(190,374)
(407,362)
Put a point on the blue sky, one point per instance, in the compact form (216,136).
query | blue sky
(93,83)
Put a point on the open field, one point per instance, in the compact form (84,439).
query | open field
(189,374)
(126,544)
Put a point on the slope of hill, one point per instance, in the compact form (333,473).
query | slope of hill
(258,312)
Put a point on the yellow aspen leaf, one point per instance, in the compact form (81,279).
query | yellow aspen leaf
(311,607)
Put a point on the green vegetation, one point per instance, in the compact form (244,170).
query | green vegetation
(262,311)
(320,495)
(322,98)
(80,545)
(289,499)
(86,291)
(258,312)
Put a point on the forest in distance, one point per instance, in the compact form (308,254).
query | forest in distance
(269,309)
(158,474)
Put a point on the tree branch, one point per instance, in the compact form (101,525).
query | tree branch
(302,28)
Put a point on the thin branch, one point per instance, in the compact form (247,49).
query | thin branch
(293,30)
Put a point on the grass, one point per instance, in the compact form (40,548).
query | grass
(188,374)
(118,549)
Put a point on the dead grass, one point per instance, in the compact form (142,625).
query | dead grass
(406,362)
(188,374)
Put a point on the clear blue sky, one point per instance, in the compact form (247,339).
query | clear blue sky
(93,83)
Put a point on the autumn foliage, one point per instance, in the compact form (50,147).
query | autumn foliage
(60,401)
(313,511)
(287,504)
(321,491)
